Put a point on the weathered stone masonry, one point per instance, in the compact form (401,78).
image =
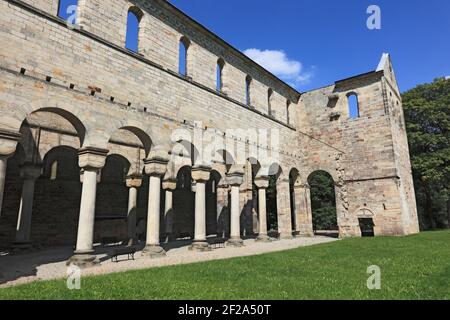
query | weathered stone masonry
(86,128)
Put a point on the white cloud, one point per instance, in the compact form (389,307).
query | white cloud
(447,77)
(277,62)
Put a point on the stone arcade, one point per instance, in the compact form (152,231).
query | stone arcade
(87,145)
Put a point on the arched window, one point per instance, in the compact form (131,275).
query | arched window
(269,101)
(219,75)
(288,117)
(67,10)
(183,58)
(353,105)
(248,84)
(132,36)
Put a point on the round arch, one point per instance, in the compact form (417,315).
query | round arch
(61,163)
(323,202)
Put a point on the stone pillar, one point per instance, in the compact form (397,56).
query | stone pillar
(223,215)
(284,209)
(348,224)
(304,210)
(235,179)
(133,184)
(8,144)
(201,175)
(155,167)
(29,174)
(91,160)
(262,183)
(169,186)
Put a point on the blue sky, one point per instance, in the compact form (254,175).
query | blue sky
(312,43)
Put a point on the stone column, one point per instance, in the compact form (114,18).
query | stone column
(8,144)
(223,215)
(169,186)
(304,210)
(133,184)
(91,160)
(29,174)
(201,175)
(284,209)
(235,178)
(155,167)
(262,183)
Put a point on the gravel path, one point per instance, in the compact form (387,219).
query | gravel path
(51,264)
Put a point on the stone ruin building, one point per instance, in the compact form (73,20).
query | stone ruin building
(96,135)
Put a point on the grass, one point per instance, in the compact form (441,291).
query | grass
(414,267)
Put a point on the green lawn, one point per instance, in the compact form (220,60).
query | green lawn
(415,267)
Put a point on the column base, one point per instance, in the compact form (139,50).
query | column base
(201,246)
(306,234)
(83,259)
(154,251)
(263,238)
(235,243)
(286,237)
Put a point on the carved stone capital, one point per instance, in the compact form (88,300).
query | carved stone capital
(134,181)
(169,184)
(223,184)
(262,182)
(156,163)
(156,166)
(235,177)
(91,158)
(201,174)
(8,142)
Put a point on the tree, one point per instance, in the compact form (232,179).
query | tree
(427,115)
(323,201)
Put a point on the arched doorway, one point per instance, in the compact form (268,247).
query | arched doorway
(112,201)
(323,203)
(184,204)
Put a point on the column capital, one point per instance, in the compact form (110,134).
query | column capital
(92,158)
(262,182)
(156,163)
(8,143)
(201,173)
(156,166)
(223,184)
(169,184)
(30,171)
(235,177)
(133,181)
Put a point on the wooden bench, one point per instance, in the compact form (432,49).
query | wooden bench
(125,251)
(108,241)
